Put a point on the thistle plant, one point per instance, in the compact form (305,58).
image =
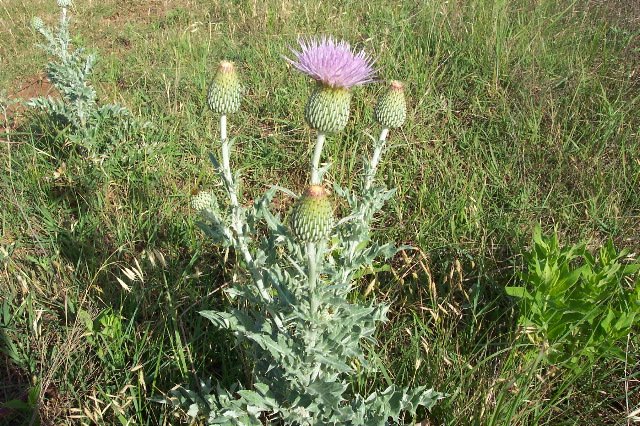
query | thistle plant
(294,316)
(69,72)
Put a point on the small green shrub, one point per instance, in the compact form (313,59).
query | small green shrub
(77,108)
(579,306)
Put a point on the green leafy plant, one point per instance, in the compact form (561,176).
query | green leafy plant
(70,72)
(105,335)
(27,406)
(301,329)
(576,304)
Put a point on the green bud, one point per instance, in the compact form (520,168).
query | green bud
(204,201)
(391,110)
(225,91)
(328,109)
(312,215)
(37,23)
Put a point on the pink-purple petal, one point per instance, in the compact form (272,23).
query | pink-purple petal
(333,63)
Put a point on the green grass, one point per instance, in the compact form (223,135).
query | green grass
(521,113)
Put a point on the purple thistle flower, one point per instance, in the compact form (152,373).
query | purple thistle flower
(333,63)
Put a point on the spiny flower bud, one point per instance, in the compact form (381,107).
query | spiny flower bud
(391,109)
(312,215)
(328,109)
(204,200)
(37,23)
(337,68)
(64,3)
(225,90)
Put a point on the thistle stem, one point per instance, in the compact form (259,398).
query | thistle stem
(312,276)
(64,30)
(377,153)
(312,326)
(315,161)
(236,218)
(223,127)
(226,166)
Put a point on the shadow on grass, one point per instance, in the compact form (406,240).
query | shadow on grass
(146,333)
(452,327)
(17,405)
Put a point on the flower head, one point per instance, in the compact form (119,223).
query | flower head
(225,91)
(312,215)
(391,110)
(204,200)
(333,63)
(37,23)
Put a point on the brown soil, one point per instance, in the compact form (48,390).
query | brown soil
(32,87)
(139,11)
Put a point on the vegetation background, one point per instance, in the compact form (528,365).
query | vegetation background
(522,113)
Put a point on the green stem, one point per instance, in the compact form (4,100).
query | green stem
(226,164)
(314,322)
(315,161)
(312,277)
(223,128)
(377,153)
(237,223)
(64,30)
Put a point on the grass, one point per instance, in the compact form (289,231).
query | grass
(521,113)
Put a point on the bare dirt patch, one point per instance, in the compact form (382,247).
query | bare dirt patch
(31,87)
(138,12)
